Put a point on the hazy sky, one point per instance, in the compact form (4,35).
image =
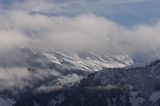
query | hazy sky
(125,12)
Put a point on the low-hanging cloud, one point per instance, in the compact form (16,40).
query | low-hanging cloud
(83,32)
(19,78)
(22,28)
(11,39)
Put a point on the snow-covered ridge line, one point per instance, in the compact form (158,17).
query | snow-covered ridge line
(87,61)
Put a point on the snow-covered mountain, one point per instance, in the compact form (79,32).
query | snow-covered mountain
(137,86)
(56,77)
(32,70)
(91,61)
(52,55)
(88,61)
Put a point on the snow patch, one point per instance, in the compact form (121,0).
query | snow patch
(155,96)
(6,102)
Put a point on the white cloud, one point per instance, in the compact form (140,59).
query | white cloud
(11,39)
(83,32)
(20,78)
